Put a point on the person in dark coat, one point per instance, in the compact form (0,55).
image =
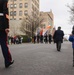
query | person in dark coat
(46,38)
(4,29)
(50,38)
(41,38)
(34,39)
(58,38)
(38,38)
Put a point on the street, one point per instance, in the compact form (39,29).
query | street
(39,59)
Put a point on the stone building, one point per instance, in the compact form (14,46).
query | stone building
(48,20)
(20,10)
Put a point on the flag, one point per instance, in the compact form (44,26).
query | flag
(46,30)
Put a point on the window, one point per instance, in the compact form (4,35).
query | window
(11,13)
(20,13)
(20,5)
(25,12)
(15,5)
(14,13)
(11,6)
(26,5)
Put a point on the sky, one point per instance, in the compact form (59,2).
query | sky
(60,11)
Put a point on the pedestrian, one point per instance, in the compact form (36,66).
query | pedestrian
(58,38)
(34,38)
(46,38)
(50,38)
(38,38)
(4,30)
(71,39)
(12,40)
(41,38)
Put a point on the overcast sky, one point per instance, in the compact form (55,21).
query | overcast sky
(60,11)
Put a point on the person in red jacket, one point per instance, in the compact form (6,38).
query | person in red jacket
(4,30)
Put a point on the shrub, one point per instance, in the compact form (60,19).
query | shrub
(26,39)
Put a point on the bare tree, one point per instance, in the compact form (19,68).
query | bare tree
(29,25)
(35,24)
(72,13)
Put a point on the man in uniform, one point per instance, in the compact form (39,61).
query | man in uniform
(4,29)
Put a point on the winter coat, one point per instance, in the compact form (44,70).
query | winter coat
(71,39)
(4,21)
(58,36)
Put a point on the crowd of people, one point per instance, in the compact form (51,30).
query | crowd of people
(15,40)
(41,39)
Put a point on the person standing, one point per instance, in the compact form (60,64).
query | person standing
(71,39)
(50,38)
(41,38)
(4,30)
(38,38)
(58,38)
(34,39)
(46,38)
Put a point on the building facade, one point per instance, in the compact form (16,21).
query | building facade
(48,20)
(20,10)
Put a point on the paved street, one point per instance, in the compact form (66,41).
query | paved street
(39,59)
